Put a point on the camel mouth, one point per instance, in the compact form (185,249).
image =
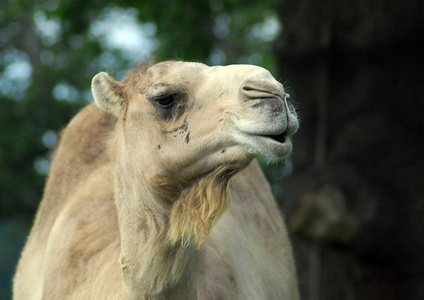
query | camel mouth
(279,138)
(275,146)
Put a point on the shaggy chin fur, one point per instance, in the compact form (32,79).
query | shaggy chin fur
(195,206)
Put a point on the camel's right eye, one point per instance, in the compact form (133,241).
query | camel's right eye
(165,101)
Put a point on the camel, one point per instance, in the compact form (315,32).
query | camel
(154,191)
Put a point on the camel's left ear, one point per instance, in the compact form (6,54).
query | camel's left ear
(107,93)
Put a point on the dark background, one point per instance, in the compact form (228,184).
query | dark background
(353,191)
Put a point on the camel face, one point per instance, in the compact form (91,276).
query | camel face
(190,118)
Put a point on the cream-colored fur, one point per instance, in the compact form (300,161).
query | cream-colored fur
(157,196)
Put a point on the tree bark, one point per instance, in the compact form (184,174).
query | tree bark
(356,196)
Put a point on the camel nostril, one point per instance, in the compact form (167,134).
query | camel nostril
(250,93)
(260,90)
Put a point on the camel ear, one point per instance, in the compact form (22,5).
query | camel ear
(107,93)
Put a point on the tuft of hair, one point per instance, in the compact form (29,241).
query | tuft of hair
(196,207)
(133,76)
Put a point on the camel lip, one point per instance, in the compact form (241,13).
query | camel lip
(279,138)
(276,145)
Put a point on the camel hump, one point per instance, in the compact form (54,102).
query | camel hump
(82,148)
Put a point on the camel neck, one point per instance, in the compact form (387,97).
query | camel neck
(151,264)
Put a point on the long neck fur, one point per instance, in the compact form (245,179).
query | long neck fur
(162,223)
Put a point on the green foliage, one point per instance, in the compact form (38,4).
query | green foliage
(50,50)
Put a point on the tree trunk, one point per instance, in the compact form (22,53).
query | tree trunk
(355,199)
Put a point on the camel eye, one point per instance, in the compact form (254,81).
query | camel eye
(166,101)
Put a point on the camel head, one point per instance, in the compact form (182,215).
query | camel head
(188,118)
(186,129)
